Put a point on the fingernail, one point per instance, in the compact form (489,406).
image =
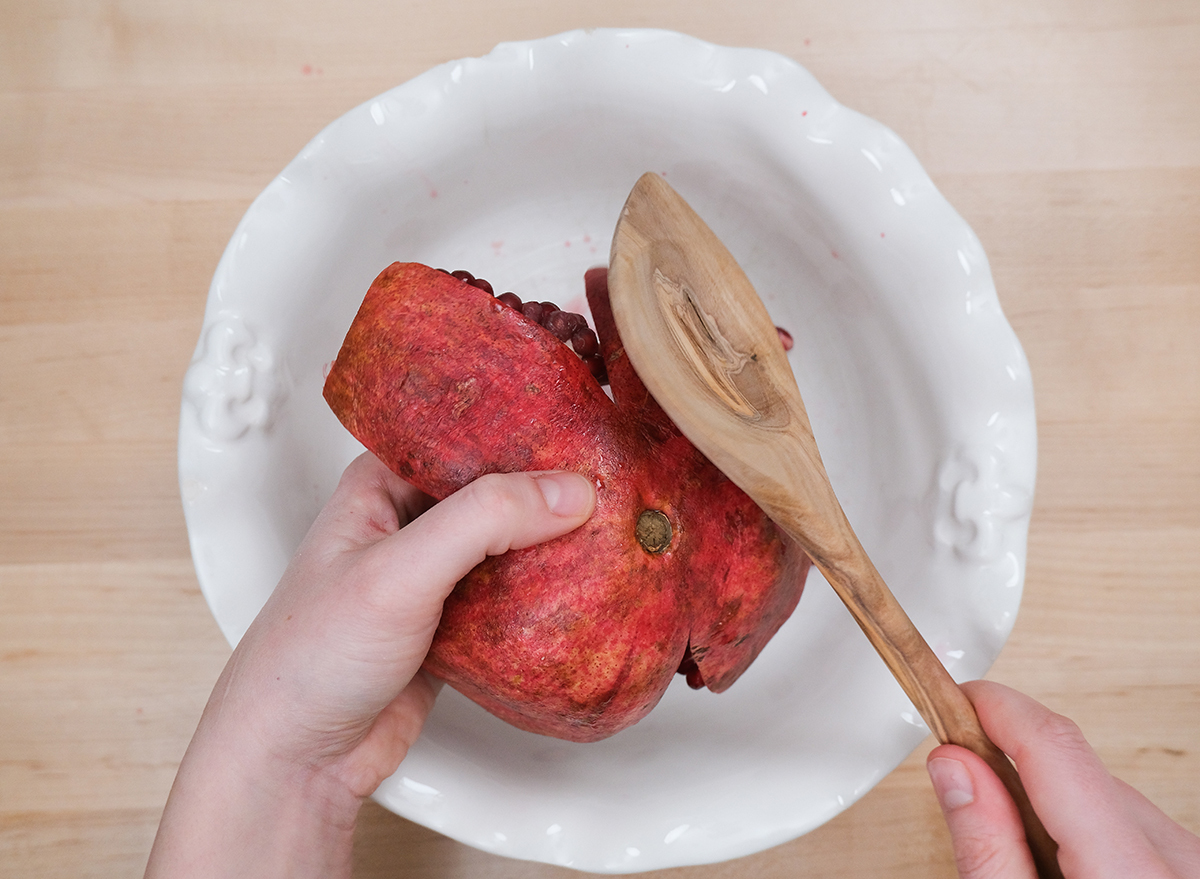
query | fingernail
(566,494)
(951,783)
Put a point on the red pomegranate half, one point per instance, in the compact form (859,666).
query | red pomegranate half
(676,571)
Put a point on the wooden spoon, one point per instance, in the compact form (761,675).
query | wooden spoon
(702,342)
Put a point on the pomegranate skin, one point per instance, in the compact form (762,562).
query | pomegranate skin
(579,637)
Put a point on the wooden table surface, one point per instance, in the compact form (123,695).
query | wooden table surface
(134,135)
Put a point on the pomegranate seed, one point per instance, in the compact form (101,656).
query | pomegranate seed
(512,300)
(599,369)
(585,342)
(463,275)
(689,668)
(560,325)
(533,311)
(549,307)
(482,285)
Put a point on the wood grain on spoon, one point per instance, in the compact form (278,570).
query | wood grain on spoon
(703,343)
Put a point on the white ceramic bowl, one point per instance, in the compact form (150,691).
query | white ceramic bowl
(515,166)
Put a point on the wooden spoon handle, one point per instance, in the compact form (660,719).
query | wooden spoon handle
(941,702)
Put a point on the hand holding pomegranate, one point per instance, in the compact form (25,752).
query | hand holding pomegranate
(324,694)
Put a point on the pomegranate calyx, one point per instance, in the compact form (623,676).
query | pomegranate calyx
(654,531)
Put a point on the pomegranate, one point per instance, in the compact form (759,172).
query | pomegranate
(676,571)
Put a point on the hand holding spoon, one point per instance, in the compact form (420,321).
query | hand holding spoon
(703,344)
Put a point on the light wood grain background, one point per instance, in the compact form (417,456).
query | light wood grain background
(133,135)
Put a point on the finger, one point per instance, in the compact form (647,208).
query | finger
(985,828)
(370,503)
(1179,848)
(488,517)
(1077,799)
(408,501)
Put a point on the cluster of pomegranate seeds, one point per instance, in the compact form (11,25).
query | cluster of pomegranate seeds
(566,326)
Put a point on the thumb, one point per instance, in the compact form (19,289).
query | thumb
(490,516)
(985,827)
(503,511)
